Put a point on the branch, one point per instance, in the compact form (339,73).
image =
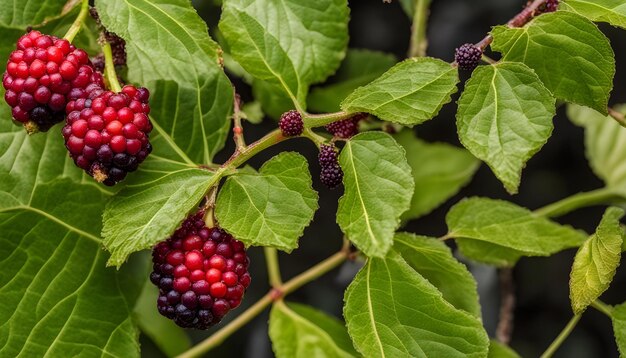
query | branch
(254,310)
(561,337)
(419,42)
(240,142)
(109,67)
(504,331)
(78,23)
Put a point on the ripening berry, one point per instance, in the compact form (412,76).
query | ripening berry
(346,128)
(468,56)
(107,134)
(291,124)
(201,274)
(331,174)
(43,74)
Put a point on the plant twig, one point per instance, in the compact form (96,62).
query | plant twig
(580,200)
(78,23)
(618,117)
(504,330)
(240,142)
(273,268)
(320,120)
(109,67)
(419,42)
(602,307)
(561,337)
(241,156)
(254,310)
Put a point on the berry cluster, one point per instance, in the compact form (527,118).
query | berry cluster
(331,174)
(346,128)
(107,133)
(42,75)
(201,274)
(291,124)
(468,56)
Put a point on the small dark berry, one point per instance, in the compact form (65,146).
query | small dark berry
(198,274)
(331,176)
(327,155)
(468,56)
(549,6)
(347,127)
(291,124)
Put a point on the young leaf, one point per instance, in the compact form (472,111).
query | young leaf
(618,316)
(359,68)
(52,267)
(291,43)
(611,11)
(411,92)
(154,202)
(499,350)
(300,331)
(440,170)
(432,259)
(378,189)
(164,333)
(582,63)
(604,140)
(506,231)
(504,118)
(271,208)
(391,310)
(20,14)
(596,261)
(191,96)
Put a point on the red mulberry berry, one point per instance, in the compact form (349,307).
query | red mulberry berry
(291,124)
(347,127)
(201,274)
(107,133)
(42,75)
(468,56)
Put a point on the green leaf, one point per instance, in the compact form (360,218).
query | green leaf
(596,261)
(271,208)
(291,43)
(504,118)
(170,52)
(18,14)
(582,63)
(164,333)
(52,274)
(432,259)
(154,202)
(300,331)
(506,232)
(274,100)
(411,92)
(377,190)
(499,350)
(604,140)
(611,11)
(440,170)
(359,68)
(618,316)
(391,310)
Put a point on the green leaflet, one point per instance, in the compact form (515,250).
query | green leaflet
(391,310)
(611,11)
(596,261)
(377,190)
(298,330)
(411,92)
(505,117)
(582,63)
(270,208)
(170,53)
(499,233)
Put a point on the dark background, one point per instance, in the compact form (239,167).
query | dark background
(559,170)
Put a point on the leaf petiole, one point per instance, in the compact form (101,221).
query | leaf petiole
(78,23)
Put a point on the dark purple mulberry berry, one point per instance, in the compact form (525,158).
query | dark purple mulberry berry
(107,133)
(467,56)
(331,175)
(291,124)
(327,155)
(549,6)
(201,274)
(42,75)
(347,127)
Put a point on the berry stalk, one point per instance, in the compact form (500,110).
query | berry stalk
(290,286)
(78,23)
(273,268)
(561,337)
(109,67)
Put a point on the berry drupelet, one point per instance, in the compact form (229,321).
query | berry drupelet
(291,124)
(201,274)
(107,133)
(468,56)
(42,75)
